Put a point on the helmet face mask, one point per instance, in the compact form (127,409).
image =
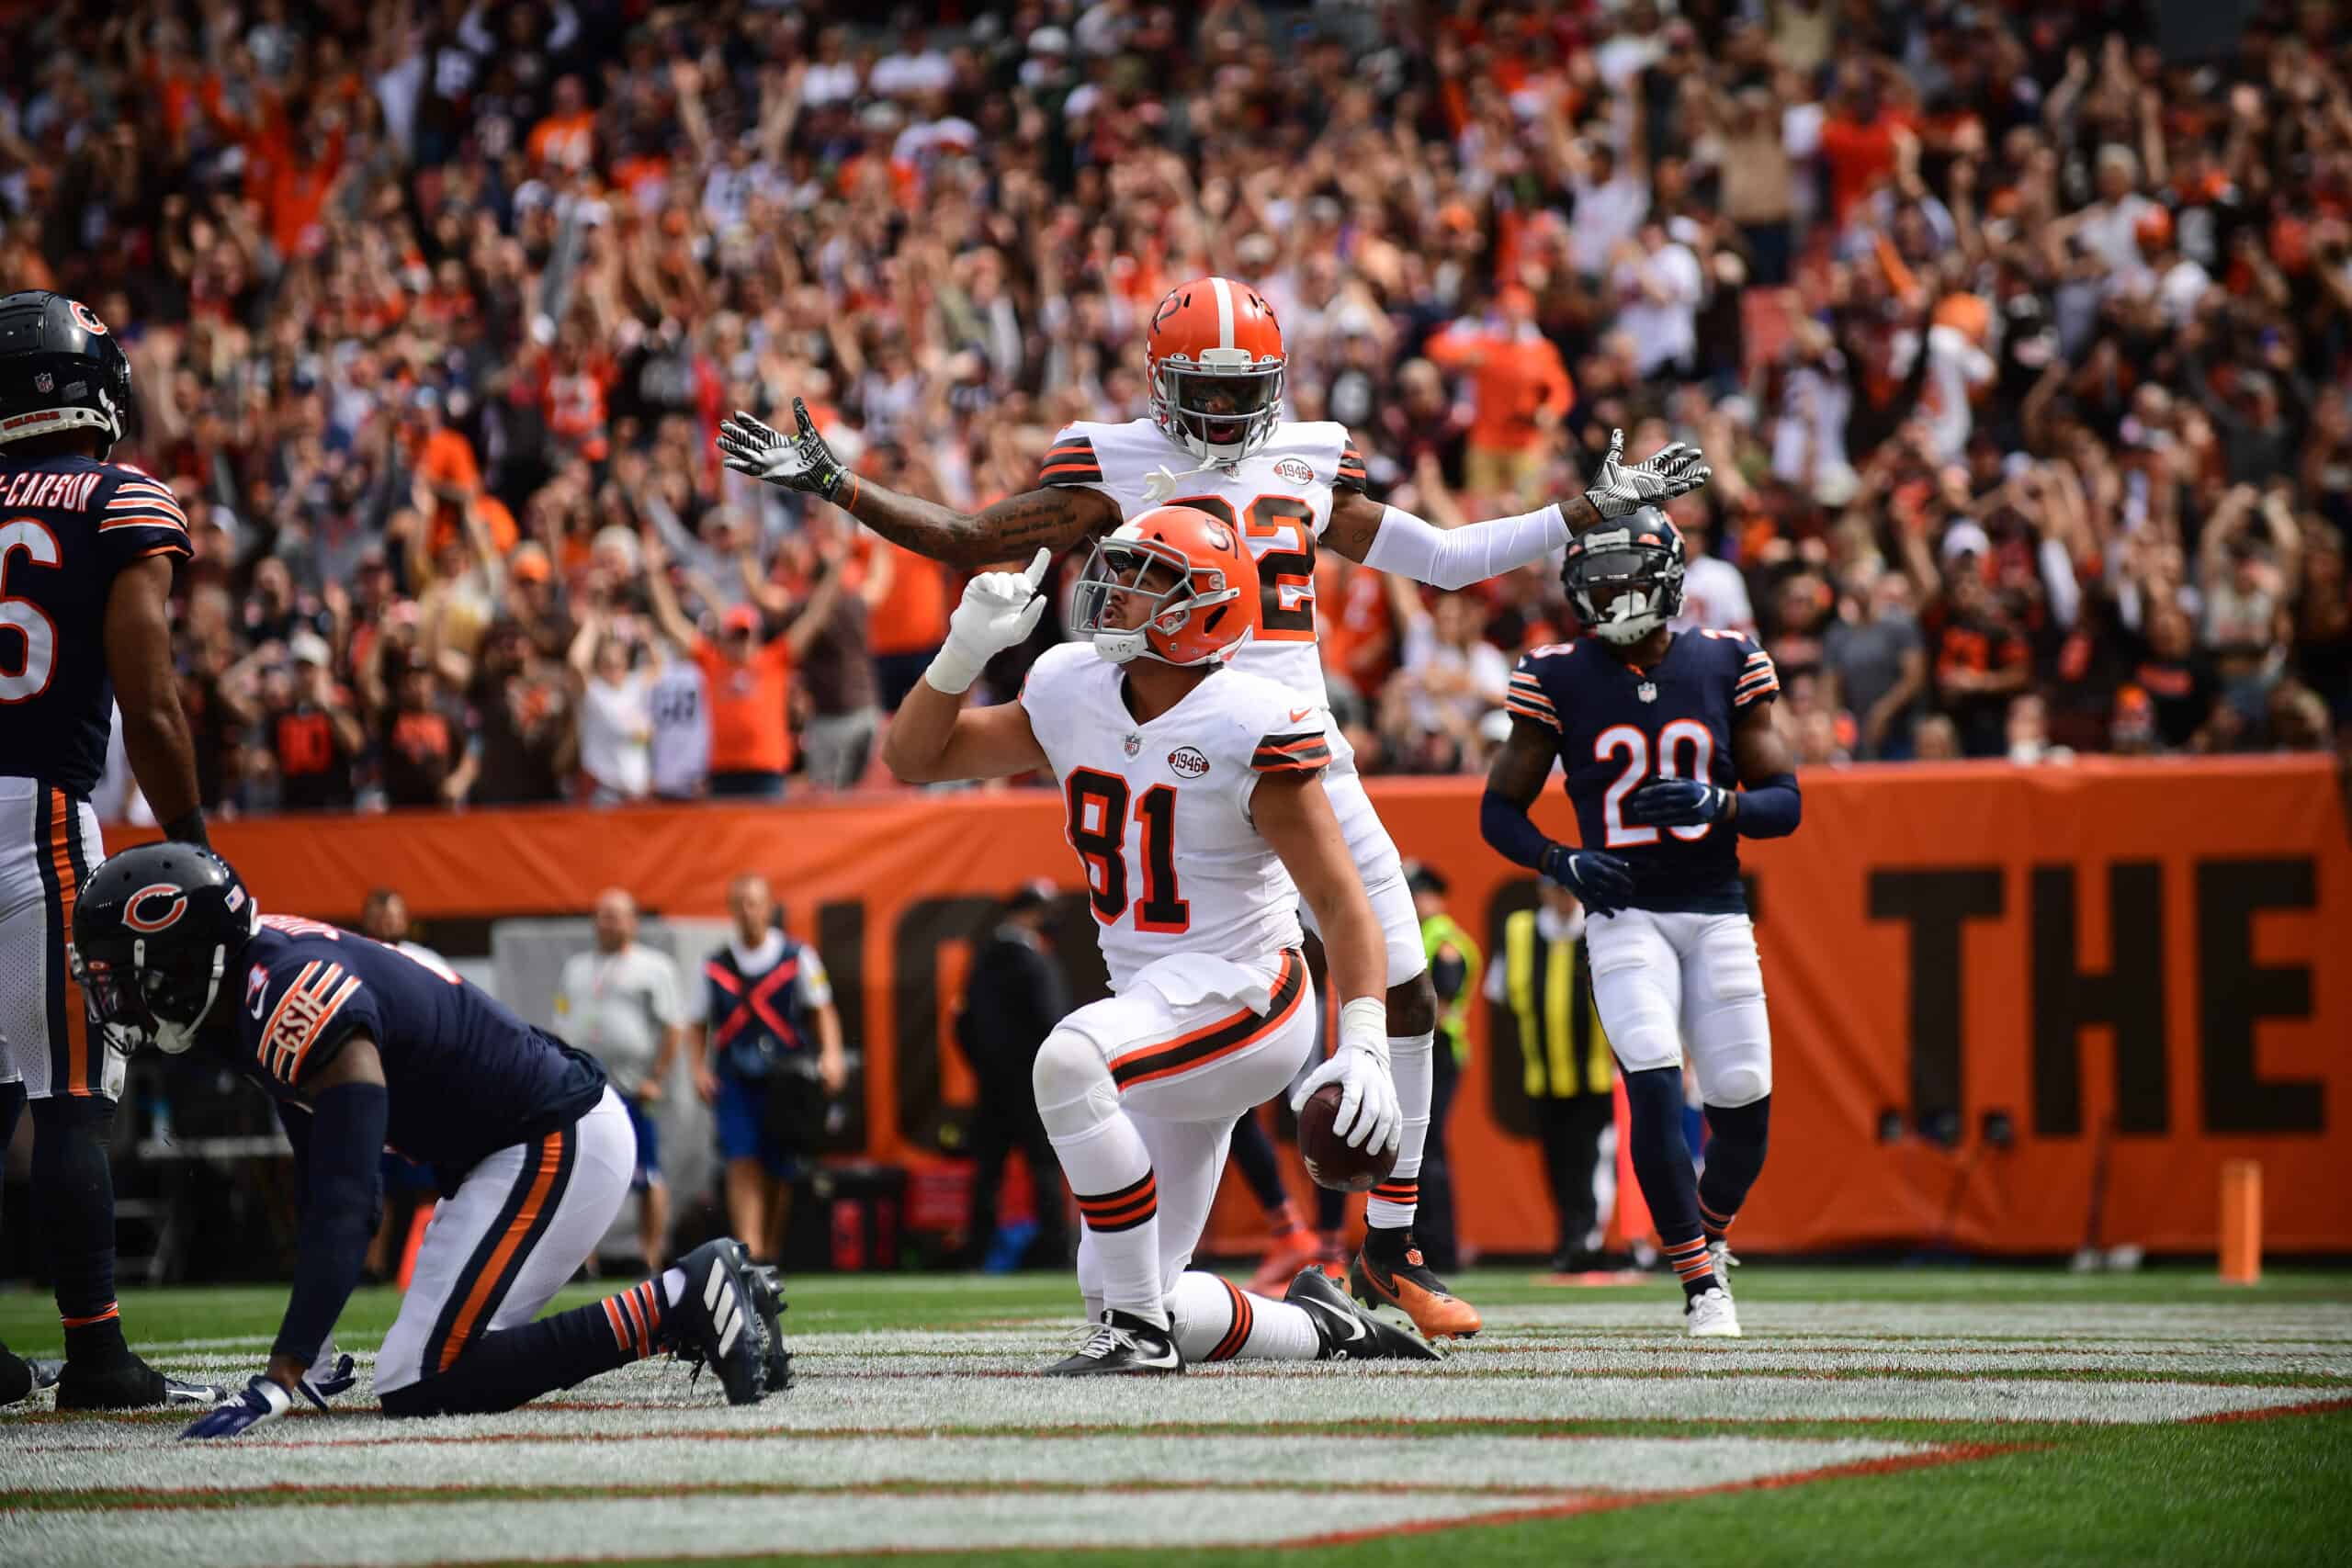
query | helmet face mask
(1626,583)
(1218,414)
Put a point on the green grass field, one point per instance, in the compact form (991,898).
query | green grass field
(1871,1415)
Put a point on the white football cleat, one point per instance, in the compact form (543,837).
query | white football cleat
(1711,1315)
(1724,1262)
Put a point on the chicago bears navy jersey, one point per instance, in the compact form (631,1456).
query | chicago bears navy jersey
(464,1075)
(1618,726)
(67,526)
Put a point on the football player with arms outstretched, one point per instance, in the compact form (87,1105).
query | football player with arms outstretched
(1215,441)
(87,548)
(1194,795)
(1672,755)
(366,1047)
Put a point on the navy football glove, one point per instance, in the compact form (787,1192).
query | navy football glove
(1602,881)
(1677,802)
(263,1399)
(322,1382)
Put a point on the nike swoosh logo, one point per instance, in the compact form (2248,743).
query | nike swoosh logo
(1297,714)
(1356,1330)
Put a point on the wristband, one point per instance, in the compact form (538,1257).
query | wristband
(1364,1026)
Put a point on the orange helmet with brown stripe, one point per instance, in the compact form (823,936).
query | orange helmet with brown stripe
(1215,358)
(1173,584)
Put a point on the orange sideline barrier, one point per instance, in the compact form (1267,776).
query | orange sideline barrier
(2160,951)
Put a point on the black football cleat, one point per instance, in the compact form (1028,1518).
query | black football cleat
(18,1377)
(716,1323)
(1122,1345)
(130,1385)
(1347,1332)
(767,1299)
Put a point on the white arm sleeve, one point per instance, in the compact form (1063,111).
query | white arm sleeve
(1456,558)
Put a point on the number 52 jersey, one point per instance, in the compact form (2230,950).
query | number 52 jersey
(1619,726)
(1159,812)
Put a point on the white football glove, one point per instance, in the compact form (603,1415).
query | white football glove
(1369,1116)
(999,611)
(1620,488)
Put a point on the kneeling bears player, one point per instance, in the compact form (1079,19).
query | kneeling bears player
(366,1047)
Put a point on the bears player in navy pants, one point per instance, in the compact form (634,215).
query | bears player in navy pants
(366,1047)
(1672,755)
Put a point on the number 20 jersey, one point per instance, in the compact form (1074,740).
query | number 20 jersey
(1158,813)
(1279,500)
(1618,726)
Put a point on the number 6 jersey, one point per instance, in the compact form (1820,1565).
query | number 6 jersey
(1618,726)
(1159,812)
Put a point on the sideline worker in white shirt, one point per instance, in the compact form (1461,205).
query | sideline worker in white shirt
(620,1004)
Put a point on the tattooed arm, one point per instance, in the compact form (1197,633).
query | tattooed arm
(1009,530)
(1056,517)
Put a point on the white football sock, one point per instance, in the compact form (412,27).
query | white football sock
(1393,1202)
(1216,1320)
(1118,1197)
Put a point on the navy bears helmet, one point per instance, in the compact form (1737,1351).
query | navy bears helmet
(1625,581)
(155,929)
(60,370)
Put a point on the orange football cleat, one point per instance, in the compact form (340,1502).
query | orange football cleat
(1411,1289)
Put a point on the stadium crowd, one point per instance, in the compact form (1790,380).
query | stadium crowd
(2019,347)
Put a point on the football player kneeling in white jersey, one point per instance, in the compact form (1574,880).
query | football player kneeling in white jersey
(1195,804)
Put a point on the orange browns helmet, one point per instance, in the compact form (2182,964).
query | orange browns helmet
(1194,579)
(1215,359)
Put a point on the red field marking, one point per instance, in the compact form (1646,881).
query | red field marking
(2266,1413)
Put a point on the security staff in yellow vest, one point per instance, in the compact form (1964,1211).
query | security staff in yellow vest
(1542,983)
(1454,962)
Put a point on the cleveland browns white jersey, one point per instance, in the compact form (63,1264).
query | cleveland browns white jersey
(1159,812)
(1278,498)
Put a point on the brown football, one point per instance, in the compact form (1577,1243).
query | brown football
(1329,1160)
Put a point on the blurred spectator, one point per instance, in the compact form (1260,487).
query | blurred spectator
(747,676)
(1875,661)
(1451,678)
(767,1053)
(616,712)
(1454,962)
(1520,392)
(1014,994)
(430,758)
(621,1002)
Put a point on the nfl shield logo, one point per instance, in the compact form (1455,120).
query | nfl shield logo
(1647,690)
(1134,744)
(44,382)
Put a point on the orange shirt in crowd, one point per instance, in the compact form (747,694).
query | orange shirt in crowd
(446,461)
(1513,376)
(748,700)
(911,616)
(567,141)
(1859,154)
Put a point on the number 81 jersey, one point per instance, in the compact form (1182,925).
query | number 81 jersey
(1618,726)
(1278,499)
(1159,812)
